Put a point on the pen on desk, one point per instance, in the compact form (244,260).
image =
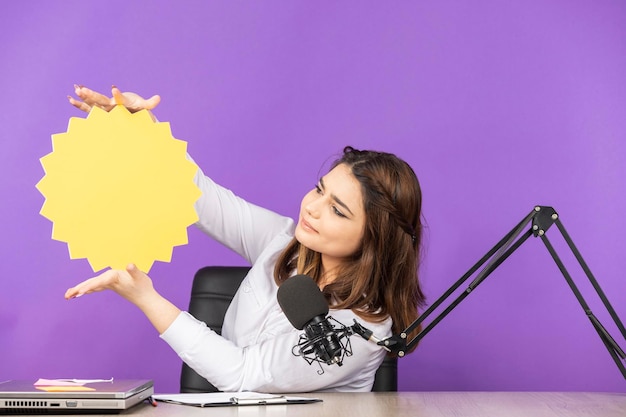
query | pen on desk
(152,401)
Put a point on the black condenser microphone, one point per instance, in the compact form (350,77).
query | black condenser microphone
(306,309)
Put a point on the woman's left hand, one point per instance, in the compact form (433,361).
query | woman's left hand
(132,284)
(135,286)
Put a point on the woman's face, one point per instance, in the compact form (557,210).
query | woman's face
(332,218)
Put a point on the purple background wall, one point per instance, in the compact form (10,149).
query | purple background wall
(497,105)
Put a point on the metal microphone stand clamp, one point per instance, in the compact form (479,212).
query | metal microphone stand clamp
(322,342)
(541,218)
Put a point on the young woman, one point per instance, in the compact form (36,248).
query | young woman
(358,236)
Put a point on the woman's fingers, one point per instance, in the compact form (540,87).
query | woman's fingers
(93,98)
(134,102)
(135,272)
(71,293)
(80,105)
(89,99)
(132,284)
(102,282)
(118,97)
(152,102)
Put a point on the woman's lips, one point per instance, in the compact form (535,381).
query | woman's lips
(307,226)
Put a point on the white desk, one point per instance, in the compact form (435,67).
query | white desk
(421,404)
(418,404)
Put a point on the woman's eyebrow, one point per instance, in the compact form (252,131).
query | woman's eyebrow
(335,198)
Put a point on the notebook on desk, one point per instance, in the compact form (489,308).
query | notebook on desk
(24,397)
(225,399)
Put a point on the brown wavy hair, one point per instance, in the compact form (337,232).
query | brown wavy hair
(381,279)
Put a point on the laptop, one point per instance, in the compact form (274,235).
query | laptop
(23,397)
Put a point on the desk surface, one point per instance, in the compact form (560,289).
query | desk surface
(418,404)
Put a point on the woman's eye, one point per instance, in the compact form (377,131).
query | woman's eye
(337,212)
(318,189)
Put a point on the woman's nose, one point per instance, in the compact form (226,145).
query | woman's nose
(312,208)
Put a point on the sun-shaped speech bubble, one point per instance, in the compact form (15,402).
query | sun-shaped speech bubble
(119,189)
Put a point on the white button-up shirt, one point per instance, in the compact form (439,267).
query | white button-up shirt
(254,352)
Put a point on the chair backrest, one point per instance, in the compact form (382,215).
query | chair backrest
(211,293)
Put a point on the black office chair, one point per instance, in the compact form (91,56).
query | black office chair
(211,293)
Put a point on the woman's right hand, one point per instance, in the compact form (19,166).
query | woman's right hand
(89,98)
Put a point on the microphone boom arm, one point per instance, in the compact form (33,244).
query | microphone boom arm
(541,218)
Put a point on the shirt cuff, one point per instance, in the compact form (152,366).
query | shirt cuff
(183,332)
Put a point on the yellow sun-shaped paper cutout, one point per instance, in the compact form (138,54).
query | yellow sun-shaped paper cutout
(119,189)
